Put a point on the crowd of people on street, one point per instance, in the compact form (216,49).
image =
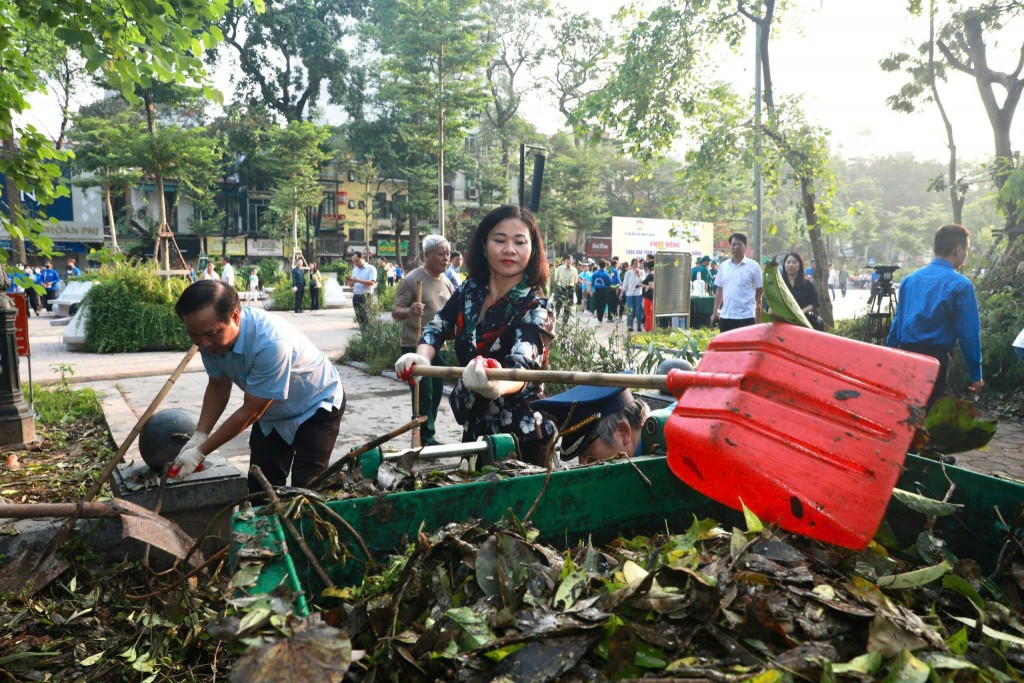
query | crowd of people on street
(499,310)
(47,277)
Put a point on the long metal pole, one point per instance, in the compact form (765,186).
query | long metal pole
(522,175)
(757,143)
(440,137)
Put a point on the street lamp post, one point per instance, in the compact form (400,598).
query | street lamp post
(17,419)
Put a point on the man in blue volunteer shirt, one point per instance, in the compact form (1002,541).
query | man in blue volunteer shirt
(937,308)
(293,395)
(49,278)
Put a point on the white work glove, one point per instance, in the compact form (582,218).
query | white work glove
(295,289)
(403,366)
(474,378)
(198,439)
(188,461)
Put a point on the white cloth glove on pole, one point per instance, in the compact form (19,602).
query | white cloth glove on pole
(474,378)
(403,366)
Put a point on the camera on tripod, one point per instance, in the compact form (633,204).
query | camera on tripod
(884,282)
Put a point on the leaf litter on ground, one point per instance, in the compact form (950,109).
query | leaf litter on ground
(473,602)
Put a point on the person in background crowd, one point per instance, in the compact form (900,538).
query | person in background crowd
(844,279)
(71,269)
(50,280)
(585,286)
(192,273)
(299,283)
(713,271)
(363,281)
(209,273)
(382,273)
(614,282)
(316,285)
(227,272)
(391,274)
(562,282)
(937,309)
(632,292)
(454,270)
(599,283)
(803,290)
(399,273)
(497,318)
(702,271)
(254,284)
(740,287)
(648,294)
(437,289)
(833,280)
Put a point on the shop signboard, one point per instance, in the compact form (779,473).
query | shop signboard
(638,237)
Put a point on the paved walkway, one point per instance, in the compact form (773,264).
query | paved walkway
(376,405)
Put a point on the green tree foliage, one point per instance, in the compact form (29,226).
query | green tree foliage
(131,42)
(103,158)
(432,56)
(291,55)
(572,196)
(579,52)
(185,154)
(294,156)
(515,32)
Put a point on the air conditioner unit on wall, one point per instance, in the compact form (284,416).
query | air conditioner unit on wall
(473,193)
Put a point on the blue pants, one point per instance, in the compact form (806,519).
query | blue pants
(635,309)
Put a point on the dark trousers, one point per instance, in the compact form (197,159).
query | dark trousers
(942,381)
(305,457)
(563,299)
(33,300)
(600,301)
(726,324)
(298,299)
(359,303)
(431,394)
(314,298)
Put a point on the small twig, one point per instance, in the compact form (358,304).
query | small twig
(548,458)
(275,504)
(213,558)
(929,523)
(624,454)
(348,527)
(1011,541)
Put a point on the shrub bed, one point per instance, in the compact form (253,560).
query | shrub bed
(132,309)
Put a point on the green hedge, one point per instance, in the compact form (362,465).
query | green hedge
(132,309)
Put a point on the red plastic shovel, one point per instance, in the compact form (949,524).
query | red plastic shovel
(808,430)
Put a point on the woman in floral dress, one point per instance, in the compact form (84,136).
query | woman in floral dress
(499,317)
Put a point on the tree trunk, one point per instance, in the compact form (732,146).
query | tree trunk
(110,216)
(818,251)
(159,176)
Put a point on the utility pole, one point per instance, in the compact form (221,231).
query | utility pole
(757,143)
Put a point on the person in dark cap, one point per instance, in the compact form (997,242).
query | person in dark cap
(702,271)
(596,423)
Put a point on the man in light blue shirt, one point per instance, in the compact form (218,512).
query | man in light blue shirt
(293,393)
(937,308)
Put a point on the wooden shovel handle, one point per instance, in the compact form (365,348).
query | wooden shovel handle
(596,379)
(676,380)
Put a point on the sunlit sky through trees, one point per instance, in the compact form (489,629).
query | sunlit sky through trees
(826,51)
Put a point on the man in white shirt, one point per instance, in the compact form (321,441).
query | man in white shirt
(363,281)
(227,272)
(563,283)
(739,288)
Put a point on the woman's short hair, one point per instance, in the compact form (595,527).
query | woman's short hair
(537,268)
(199,295)
(800,274)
